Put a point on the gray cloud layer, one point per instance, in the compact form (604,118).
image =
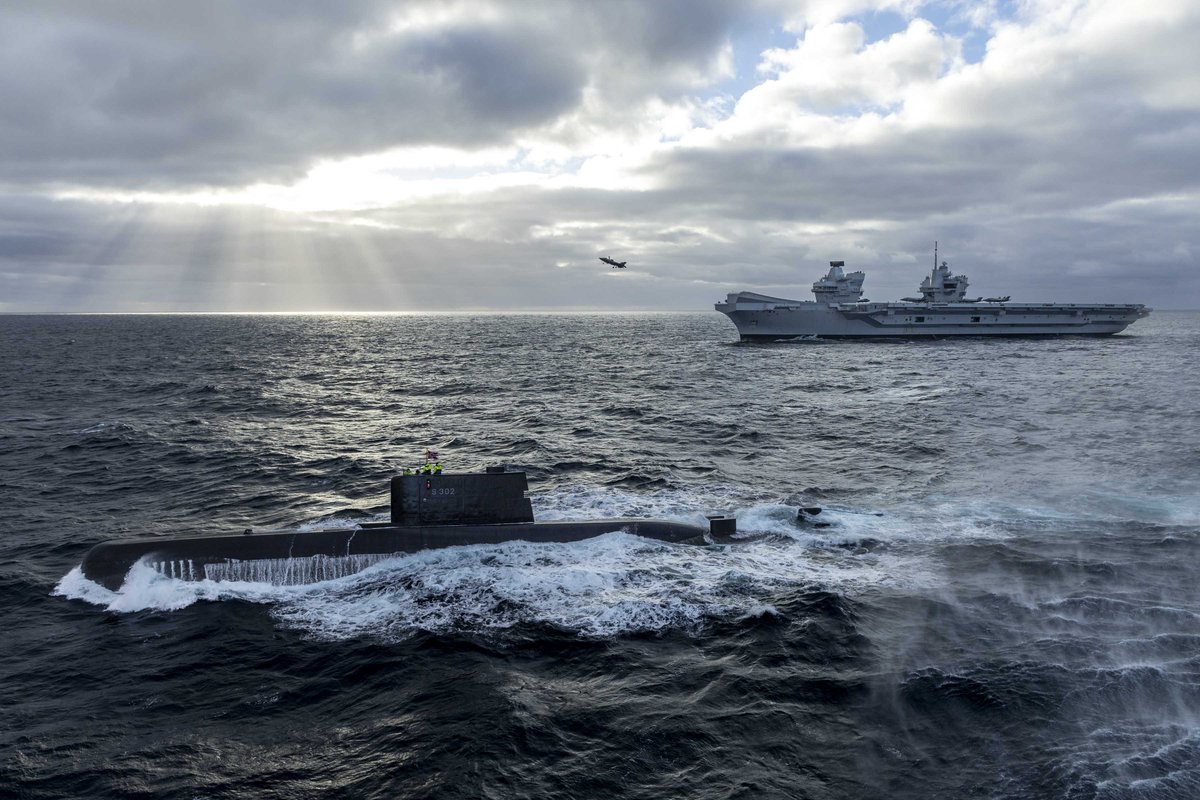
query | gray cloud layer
(177,94)
(1064,166)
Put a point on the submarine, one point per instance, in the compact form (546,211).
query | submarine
(427,511)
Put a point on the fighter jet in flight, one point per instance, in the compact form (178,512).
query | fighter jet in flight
(615,264)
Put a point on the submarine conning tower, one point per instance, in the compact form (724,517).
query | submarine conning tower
(494,497)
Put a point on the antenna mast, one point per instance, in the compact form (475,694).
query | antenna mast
(935,254)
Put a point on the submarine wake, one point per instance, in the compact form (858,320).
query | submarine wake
(609,585)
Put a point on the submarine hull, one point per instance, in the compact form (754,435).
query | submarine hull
(304,556)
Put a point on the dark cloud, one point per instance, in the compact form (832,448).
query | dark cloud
(224,93)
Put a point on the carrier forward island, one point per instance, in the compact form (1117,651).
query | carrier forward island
(943,309)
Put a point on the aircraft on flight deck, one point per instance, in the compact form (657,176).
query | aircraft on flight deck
(615,264)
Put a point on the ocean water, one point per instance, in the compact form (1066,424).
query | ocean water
(1006,605)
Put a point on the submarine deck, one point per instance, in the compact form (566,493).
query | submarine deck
(208,556)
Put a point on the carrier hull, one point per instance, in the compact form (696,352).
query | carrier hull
(757,320)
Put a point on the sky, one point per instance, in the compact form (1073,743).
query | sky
(303,155)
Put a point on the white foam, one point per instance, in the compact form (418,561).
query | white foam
(609,585)
(74,586)
(147,589)
(144,588)
(606,586)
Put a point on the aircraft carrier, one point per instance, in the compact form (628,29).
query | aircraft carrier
(943,309)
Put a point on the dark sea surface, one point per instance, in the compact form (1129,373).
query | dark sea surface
(1006,606)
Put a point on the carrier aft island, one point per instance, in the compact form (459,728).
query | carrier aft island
(427,511)
(841,312)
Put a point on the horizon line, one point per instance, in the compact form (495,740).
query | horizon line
(344,313)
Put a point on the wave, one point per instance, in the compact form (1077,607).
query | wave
(615,584)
